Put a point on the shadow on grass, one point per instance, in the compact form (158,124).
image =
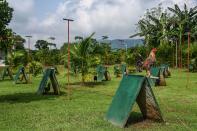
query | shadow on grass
(7,80)
(26,97)
(88,84)
(134,118)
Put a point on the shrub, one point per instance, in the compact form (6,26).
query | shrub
(36,68)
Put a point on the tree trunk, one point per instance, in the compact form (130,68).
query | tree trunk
(180,43)
(82,77)
(176,54)
(82,72)
(173,54)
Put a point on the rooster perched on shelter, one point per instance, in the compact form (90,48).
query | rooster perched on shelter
(149,62)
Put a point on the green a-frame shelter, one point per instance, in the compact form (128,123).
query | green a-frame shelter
(6,71)
(21,76)
(102,73)
(44,87)
(159,73)
(133,88)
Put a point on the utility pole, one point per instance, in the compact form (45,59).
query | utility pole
(188,55)
(29,48)
(176,53)
(188,59)
(68,64)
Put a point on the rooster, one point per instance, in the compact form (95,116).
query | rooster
(148,63)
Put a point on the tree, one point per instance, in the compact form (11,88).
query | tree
(7,44)
(163,29)
(5,18)
(44,54)
(20,56)
(80,55)
(78,38)
(19,42)
(5,15)
(42,45)
(149,27)
(185,20)
(105,37)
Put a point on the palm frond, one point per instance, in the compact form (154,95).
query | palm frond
(134,35)
(155,20)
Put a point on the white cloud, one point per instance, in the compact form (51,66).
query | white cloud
(190,3)
(22,6)
(22,16)
(115,18)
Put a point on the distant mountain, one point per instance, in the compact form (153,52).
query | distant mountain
(122,43)
(119,44)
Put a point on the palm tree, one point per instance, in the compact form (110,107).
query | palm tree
(81,55)
(105,37)
(51,44)
(184,20)
(78,38)
(146,30)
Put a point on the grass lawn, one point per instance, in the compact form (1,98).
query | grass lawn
(21,109)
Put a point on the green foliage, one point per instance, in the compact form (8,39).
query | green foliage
(150,27)
(5,15)
(193,56)
(19,42)
(106,55)
(130,59)
(80,56)
(6,43)
(163,29)
(5,18)
(120,56)
(193,50)
(193,65)
(45,54)
(19,58)
(17,55)
(134,54)
(36,68)
(42,44)
(164,54)
(42,56)
(94,61)
(78,38)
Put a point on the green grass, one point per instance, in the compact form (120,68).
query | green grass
(21,109)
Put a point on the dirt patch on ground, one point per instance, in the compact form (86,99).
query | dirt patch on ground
(136,120)
(143,124)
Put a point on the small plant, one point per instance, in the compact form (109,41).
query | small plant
(35,68)
(193,65)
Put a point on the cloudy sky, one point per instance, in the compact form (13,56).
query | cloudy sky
(115,18)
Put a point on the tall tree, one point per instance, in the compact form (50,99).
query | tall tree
(19,42)
(5,14)
(78,38)
(44,54)
(80,55)
(5,18)
(42,44)
(185,20)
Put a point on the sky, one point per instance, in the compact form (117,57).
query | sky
(115,18)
